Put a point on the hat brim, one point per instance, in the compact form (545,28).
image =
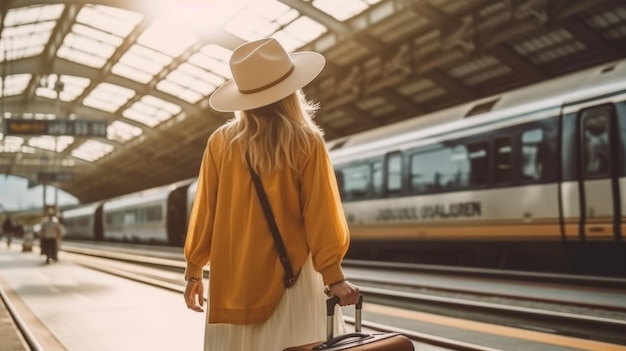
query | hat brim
(307,66)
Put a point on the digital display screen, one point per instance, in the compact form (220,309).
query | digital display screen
(56,127)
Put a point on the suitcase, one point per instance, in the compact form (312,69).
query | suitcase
(356,341)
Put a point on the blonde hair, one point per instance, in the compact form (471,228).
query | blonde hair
(273,134)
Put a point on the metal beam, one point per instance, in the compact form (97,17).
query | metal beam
(452,86)
(307,9)
(519,64)
(583,32)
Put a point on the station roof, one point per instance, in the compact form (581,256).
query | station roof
(128,80)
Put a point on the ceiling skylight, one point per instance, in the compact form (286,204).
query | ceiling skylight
(205,71)
(122,132)
(50,143)
(14,144)
(141,64)
(265,18)
(261,19)
(151,111)
(99,31)
(27,30)
(108,97)
(344,9)
(112,20)
(92,150)
(14,84)
(72,87)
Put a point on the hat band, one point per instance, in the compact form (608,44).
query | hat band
(267,86)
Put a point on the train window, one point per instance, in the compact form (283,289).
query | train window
(377,178)
(539,152)
(129,219)
(394,172)
(531,165)
(461,163)
(115,220)
(356,181)
(154,213)
(596,150)
(478,157)
(434,171)
(502,164)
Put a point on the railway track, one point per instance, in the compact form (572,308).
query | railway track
(20,325)
(587,322)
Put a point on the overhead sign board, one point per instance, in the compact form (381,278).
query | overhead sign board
(56,127)
(62,177)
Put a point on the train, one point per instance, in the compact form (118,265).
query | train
(531,179)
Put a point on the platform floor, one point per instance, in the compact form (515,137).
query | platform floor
(69,307)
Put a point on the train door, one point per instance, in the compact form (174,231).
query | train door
(598,174)
(176,218)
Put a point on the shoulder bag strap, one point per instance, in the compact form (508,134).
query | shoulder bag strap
(290,278)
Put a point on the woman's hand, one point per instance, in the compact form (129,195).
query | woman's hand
(194,295)
(347,293)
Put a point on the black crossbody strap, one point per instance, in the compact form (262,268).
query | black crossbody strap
(290,278)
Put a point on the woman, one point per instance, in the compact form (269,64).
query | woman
(249,306)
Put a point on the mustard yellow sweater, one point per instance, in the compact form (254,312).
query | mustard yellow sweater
(228,229)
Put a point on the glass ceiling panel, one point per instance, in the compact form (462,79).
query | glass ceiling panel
(27,30)
(344,9)
(299,32)
(108,97)
(111,20)
(213,58)
(79,56)
(190,82)
(206,69)
(141,64)
(50,143)
(72,87)
(612,21)
(122,132)
(14,84)
(14,144)
(98,33)
(151,111)
(261,19)
(92,150)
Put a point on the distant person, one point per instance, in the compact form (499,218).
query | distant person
(50,237)
(7,230)
(250,307)
(18,229)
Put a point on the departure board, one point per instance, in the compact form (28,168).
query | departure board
(64,177)
(56,127)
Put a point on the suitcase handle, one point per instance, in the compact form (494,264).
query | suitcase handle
(330,314)
(330,343)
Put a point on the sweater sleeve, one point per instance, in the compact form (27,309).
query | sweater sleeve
(200,229)
(325,223)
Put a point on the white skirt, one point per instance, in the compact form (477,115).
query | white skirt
(300,318)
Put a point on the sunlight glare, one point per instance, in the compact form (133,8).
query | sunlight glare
(197,15)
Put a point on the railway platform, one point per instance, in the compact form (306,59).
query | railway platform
(69,307)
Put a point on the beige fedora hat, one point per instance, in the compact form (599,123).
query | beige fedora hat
(264,73)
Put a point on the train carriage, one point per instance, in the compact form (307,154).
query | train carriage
(83,222)
(532,179)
